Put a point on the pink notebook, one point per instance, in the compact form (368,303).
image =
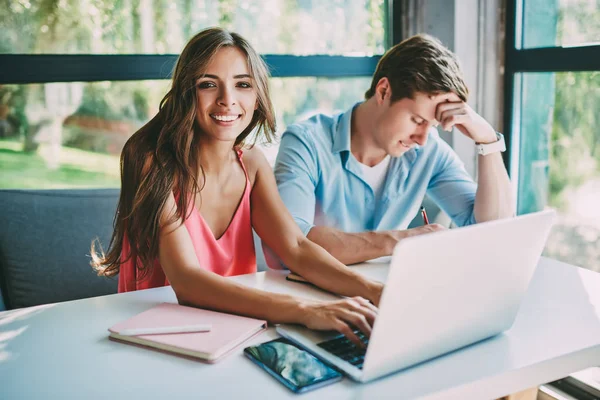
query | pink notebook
(227,332)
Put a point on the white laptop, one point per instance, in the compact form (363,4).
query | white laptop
(444,290)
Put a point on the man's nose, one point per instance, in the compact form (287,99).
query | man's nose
(421,134)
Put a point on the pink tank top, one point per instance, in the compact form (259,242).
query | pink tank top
(231,254)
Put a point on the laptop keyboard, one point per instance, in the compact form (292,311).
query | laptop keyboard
(346,350)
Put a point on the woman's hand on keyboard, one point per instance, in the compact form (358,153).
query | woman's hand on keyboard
(343,316)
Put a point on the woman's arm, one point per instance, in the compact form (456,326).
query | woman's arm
(198,287)
(277,228)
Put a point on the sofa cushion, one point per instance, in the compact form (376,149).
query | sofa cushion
(45,238)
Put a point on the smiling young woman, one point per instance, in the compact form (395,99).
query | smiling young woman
(193,190)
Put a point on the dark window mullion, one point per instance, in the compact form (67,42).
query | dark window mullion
(509,76)
(556,59)
(42,68)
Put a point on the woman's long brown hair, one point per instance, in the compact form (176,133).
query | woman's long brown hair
(162,157)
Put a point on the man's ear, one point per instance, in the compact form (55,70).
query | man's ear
(383,90)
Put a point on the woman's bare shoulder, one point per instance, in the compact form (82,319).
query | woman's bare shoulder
(254,160)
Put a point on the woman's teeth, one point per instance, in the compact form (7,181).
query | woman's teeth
(225,118)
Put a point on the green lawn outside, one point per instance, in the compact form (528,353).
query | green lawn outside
(78,169)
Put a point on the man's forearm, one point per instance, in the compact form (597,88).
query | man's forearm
(494,197)
(352,248)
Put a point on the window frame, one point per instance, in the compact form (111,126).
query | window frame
(545,59)
(27,69)
(46,68)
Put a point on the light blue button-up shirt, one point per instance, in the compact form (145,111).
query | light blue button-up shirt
(322,183)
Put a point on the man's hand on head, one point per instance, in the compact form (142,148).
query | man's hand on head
(455,112)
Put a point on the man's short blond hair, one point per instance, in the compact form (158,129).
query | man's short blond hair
(422,64)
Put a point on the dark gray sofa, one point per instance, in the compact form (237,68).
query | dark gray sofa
(45,238)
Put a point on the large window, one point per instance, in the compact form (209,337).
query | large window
(60,135)
(164,26)
(81,77)
(573,23)
(560,160)
(552,113)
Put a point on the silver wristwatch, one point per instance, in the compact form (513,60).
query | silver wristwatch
(489,148)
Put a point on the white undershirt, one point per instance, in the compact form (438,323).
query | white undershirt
(375,175)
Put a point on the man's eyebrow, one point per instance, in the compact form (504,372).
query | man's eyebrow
(424,119)
(434,121)
(240,76)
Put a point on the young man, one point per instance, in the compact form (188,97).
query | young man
(354,181)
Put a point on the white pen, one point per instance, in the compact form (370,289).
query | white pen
(165,330)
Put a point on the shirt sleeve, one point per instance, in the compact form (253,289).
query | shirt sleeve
(451,187)
(297,175)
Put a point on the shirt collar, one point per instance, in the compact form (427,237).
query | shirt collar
(341,138)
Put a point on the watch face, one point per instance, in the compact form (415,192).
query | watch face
(498,146)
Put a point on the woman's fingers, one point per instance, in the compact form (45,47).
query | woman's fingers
(366,303)
(366,308)
(345,316)
(358,321)
(345,329)
(358,316)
